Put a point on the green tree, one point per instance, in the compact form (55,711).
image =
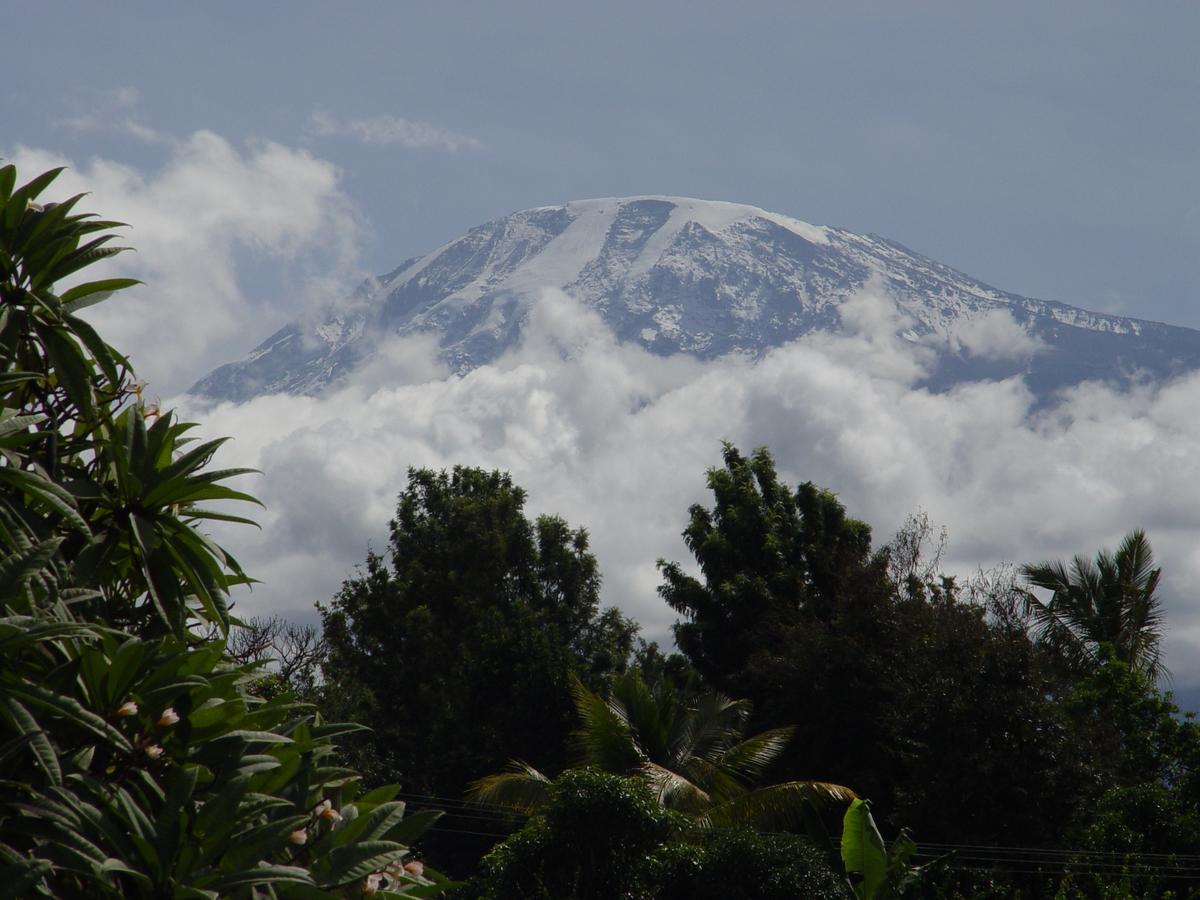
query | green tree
(92,474)
(794,612)
(1113,600)
(133,762)
(592,839)
(767,556)
(878,659)
(689,748)
(1144,760)
(743,864)
(604,836)
(472,632)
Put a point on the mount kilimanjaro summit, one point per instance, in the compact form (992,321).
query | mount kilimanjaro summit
(706,278)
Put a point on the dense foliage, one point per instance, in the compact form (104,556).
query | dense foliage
(689,748)
(959,709)
(795,611)
(133,760)
(605,837)
(473,631)
(981,715)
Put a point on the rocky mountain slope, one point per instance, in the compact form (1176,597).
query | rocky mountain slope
(705,278)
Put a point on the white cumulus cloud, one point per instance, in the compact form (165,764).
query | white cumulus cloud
(198,222)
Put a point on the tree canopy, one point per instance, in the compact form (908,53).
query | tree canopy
(769,557)
(473,631)
(882,668)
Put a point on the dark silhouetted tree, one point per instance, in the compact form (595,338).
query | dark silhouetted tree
(935,710)
(472,631)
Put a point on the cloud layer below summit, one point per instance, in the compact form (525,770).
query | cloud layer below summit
(618,440)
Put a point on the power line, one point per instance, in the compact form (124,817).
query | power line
(998,858)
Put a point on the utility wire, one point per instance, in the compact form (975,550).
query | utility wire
(999,858)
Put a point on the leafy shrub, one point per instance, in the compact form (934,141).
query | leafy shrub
(591,842)
(133,761)
(741,864)
(605,836)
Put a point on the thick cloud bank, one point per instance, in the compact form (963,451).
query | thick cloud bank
(618,440)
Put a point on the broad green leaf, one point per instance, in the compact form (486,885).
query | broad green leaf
(44,492)
(84,295)
(170,826)
(20,566)
(378,795)
(25,724)
(69,708)
(70,367)
(18,879)
(354,862)
(261,875)
(15,206)
(261,737)
(193,514)
(46,223)
(67,841)
(78,259)
(330,730)
(261,842)
(105,356)
(372,826)
(123,670)
(413,826)
(218,815)
(17,744)
(135,816)
(10,423)
(863,853)
(8,178)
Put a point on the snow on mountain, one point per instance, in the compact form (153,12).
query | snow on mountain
(705,278)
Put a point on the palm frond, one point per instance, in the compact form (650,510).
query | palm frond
(748,759)
(1053,623)
(1135,560)
(650,713)
(1112,601)
(521,788)
(777,806)
(715,723)
(605,737)
(673,790)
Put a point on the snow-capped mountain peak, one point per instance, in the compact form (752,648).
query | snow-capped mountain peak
(702,277)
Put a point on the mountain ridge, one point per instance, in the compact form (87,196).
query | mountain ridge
(702,277)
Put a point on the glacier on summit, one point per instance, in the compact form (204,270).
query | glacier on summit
(705,278)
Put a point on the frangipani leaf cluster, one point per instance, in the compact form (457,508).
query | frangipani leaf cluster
(135,760)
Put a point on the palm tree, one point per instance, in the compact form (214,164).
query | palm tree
(1112,601)
(689,750)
